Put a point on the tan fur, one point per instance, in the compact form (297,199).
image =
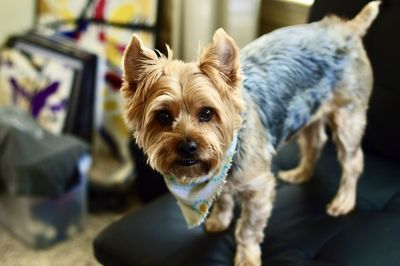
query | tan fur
(153,85)
(311,141)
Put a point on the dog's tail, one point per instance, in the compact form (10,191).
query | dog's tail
(364,19)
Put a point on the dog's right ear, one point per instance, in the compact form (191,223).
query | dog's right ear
(135,60)
(141,68)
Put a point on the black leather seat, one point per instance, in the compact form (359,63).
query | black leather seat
(299,231)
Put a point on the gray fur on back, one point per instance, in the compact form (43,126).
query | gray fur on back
(289,73)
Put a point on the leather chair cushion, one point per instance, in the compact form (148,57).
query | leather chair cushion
(298,233)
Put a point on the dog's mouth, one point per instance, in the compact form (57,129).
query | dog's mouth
(189,167)
(188,162)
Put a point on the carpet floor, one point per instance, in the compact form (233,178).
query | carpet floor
(74,251)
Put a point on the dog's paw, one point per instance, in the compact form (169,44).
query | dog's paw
(249,255)
(342,204)
(217,223)
(294,176)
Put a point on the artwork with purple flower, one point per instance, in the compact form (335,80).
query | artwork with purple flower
(37,83)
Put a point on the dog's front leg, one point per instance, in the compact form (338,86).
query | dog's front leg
(222,212)
(256,197)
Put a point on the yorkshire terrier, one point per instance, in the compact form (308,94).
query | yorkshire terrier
(289,83)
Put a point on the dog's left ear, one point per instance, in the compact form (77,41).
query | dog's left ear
(222,55)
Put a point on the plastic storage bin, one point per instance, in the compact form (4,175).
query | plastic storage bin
(41,222)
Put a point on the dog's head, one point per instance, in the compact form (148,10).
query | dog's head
(184,115)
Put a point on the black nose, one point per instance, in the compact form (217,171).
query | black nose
(187,148)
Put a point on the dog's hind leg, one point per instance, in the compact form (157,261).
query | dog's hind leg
(347,127)
(311,140)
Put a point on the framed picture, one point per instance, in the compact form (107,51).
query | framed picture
(52,79)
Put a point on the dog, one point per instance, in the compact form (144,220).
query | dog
(288,83)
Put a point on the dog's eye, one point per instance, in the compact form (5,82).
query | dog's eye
(164,117)
(206,114)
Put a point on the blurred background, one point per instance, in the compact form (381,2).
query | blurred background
(60,74)
(182,23)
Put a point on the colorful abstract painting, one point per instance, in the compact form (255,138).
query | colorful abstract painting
(103,26)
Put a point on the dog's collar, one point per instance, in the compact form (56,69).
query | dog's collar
(196,195)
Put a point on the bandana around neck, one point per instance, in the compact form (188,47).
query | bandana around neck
(196,195)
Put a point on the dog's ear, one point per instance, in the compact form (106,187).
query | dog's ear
(141,68)
(222,55)
(135,59)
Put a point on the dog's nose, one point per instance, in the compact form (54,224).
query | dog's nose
(187,148)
